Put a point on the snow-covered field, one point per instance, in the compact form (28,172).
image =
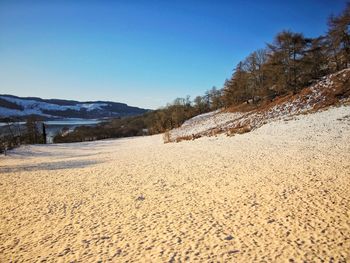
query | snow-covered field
(277,194)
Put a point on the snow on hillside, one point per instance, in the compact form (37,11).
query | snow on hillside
(204,122)
(324,93)
(36,107)
(5,112)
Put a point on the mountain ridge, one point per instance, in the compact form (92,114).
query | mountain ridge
(48,109)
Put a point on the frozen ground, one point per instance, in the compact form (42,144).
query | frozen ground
(277,194)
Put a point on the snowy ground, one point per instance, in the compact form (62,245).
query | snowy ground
(277,194)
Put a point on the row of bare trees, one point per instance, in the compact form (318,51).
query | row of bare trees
(182,109)
(14,134)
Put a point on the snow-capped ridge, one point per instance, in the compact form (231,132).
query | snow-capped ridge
(12,106)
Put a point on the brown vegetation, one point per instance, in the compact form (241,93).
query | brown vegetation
(239,130)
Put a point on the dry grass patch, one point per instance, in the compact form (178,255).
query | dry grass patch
(239,130)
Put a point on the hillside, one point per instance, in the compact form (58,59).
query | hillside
(330,90)
(22,107)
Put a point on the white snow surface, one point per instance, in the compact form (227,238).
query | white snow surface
(205,122)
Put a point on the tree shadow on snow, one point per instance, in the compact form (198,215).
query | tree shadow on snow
(48,166)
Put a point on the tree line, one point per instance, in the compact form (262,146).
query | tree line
(13,134)
(290,63)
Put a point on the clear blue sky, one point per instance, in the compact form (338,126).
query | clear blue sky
(144,53)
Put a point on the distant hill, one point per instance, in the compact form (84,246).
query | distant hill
(47,109)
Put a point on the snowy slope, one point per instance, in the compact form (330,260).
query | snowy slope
(326,92)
